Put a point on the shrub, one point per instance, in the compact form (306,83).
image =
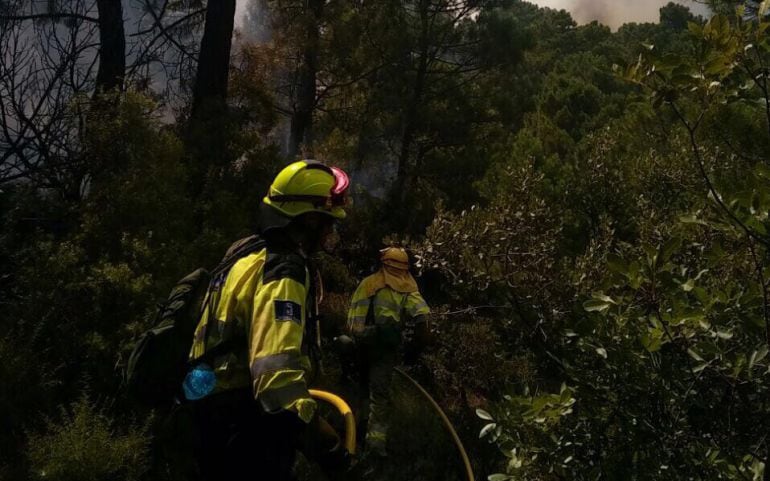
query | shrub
(85,444)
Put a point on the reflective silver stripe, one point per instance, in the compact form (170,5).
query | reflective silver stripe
(360,303)
(283,360)
(357,324)
(421,305)
(273,400)
(387,305)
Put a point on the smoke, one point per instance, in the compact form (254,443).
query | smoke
(615,13)
(252,21)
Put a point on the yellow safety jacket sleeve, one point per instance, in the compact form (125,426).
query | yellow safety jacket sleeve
(278,367)
(359,306)
(416,306)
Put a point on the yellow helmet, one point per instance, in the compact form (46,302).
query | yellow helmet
(309,186)
(395,257)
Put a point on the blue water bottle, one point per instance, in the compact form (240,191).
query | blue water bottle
(199,382)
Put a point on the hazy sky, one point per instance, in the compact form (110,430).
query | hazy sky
(615,12)
(610,12)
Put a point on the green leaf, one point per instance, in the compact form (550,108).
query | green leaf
(602,352)
(695,355)
(487,429)
(515,463)
(702,295)
(718,28)
(700,274)
(498,477)
(761,354)
(652,340)
(757,356)
(765,45)
(595,305)
(724,334)
(692,219)
(718,65)
(712,455)
(484,415)
(700,367)
(688,315)
(652,255)
(667,250)
(764,7)
(600,296)
(739,364)
(689,285)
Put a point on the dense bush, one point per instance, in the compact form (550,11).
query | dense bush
(83,444)
(658,328)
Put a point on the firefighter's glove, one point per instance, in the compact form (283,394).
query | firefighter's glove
(305,408)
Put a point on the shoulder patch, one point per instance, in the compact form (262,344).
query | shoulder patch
(280,265)
(287,311)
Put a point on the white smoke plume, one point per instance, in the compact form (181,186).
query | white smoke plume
(615,13)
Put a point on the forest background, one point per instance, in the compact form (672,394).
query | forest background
(587,209)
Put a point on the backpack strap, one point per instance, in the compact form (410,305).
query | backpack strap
(311,339)
(370,311)
(236,252)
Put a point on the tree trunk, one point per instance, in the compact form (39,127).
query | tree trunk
(404,172)
(112,52)
(301,134)
(214,60)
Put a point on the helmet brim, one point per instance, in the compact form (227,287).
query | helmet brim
(337,213)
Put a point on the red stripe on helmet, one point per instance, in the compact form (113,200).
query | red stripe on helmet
(341,181)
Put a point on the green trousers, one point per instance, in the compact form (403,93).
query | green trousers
(382,352)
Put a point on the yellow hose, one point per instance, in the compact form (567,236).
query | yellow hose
(345,411)
(450,428)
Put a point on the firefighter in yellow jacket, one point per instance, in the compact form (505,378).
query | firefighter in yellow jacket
(387,313)
(257,333)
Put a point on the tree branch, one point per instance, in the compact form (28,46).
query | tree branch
(763,283)
(699,162)
(49,16)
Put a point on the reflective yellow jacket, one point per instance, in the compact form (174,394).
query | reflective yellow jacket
(388,306)
(261,311)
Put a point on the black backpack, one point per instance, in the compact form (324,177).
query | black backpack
(158,362)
